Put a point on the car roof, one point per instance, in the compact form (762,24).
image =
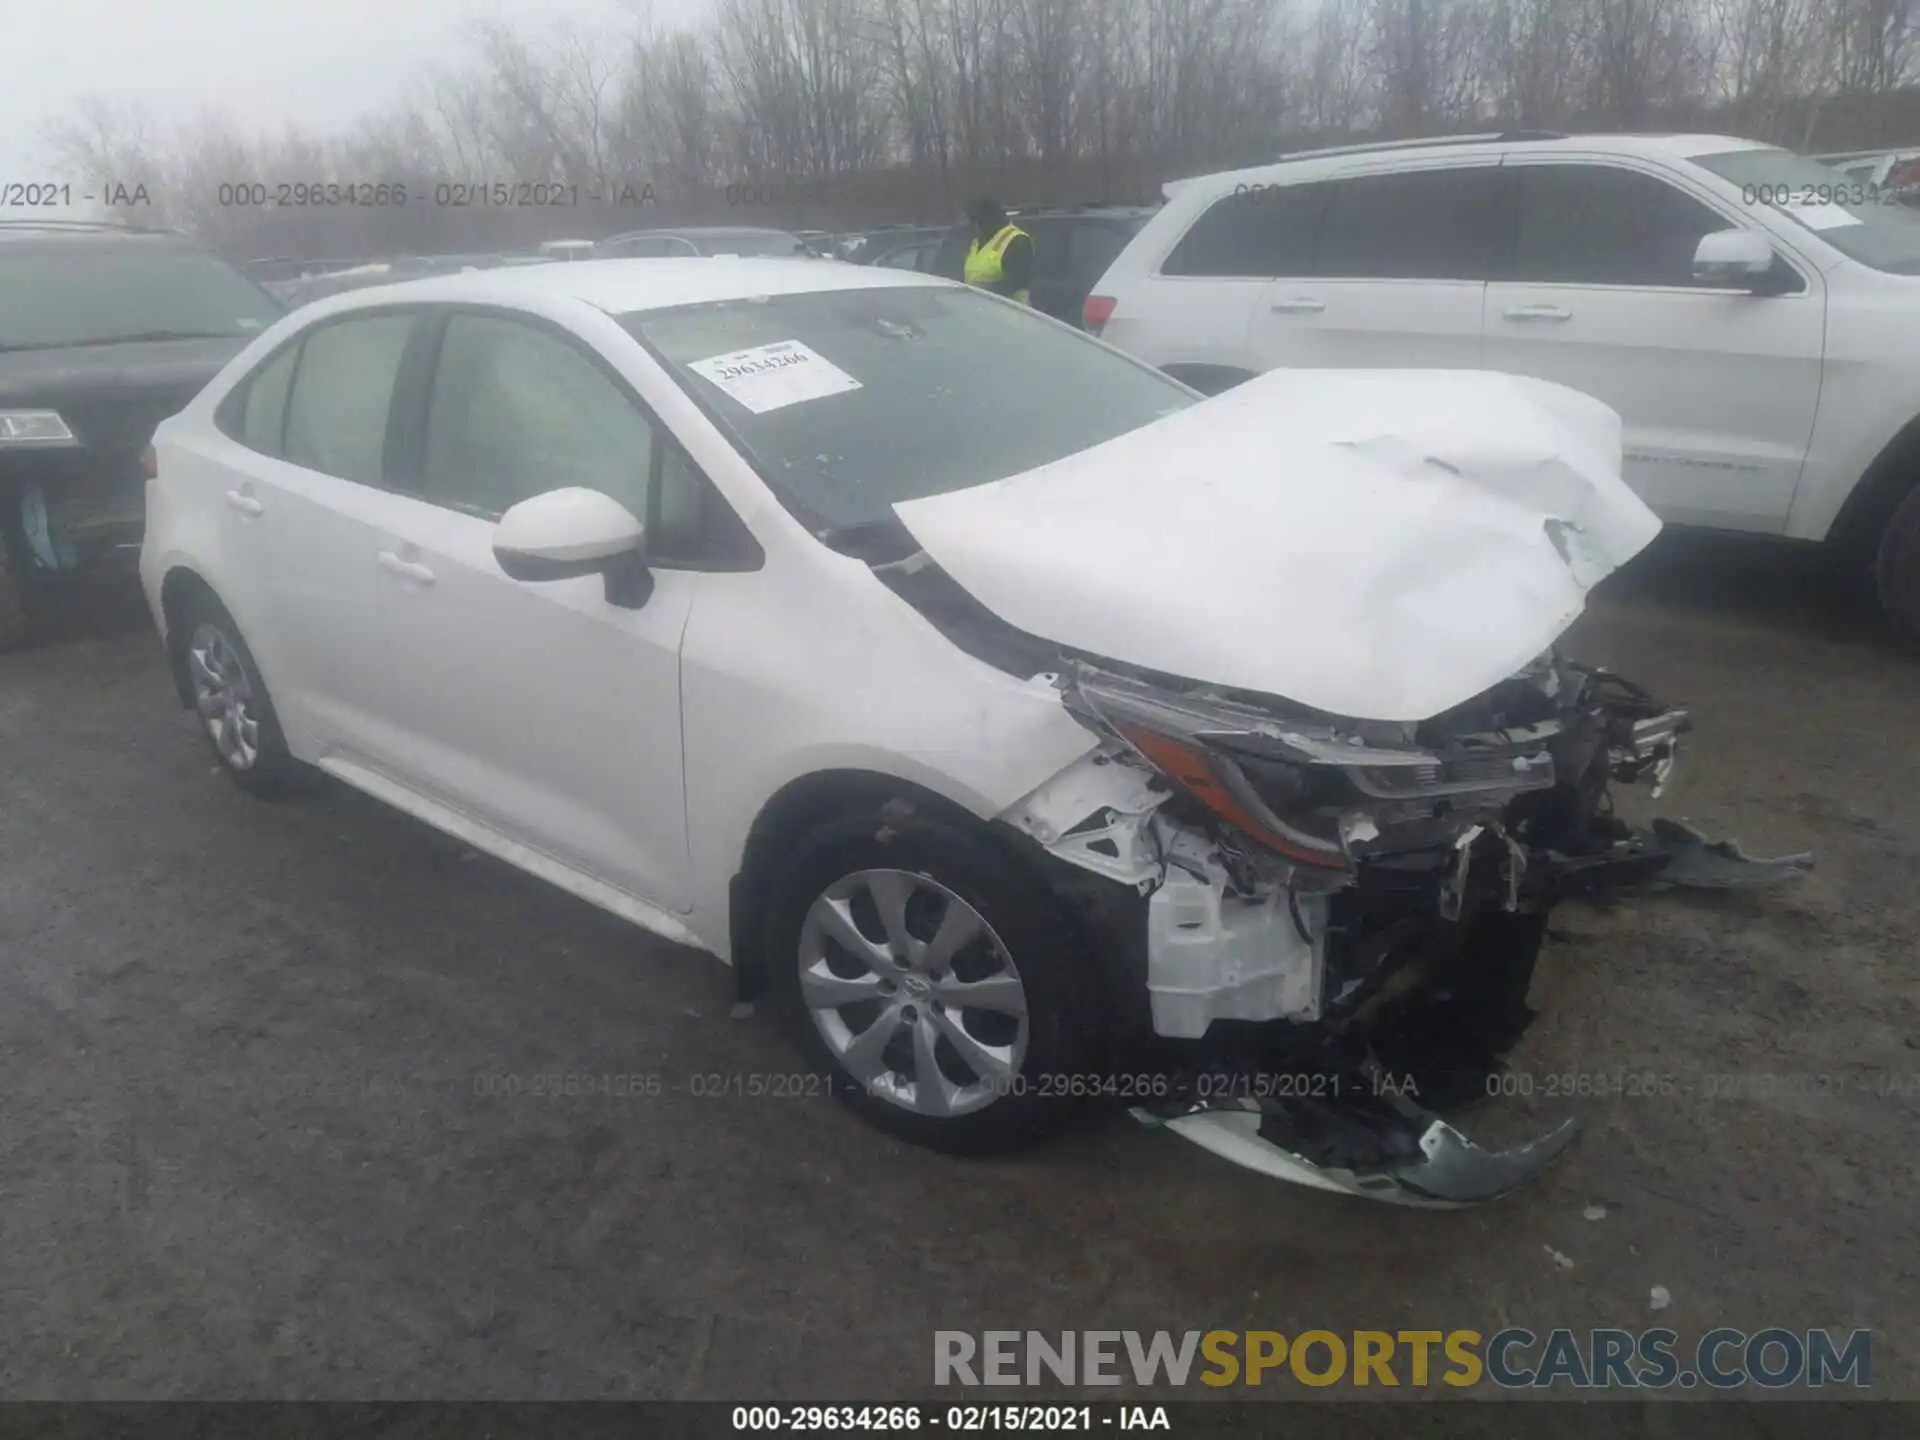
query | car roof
(1083,212)
(68,237)
(706,232)
(620,287)
(1671,146)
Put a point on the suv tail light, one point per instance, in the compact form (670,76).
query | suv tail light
(149,464)
(1096,312)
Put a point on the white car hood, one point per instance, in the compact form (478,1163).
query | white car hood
(1376,544)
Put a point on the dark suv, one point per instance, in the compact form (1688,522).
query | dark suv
(1072,248)
(105,330)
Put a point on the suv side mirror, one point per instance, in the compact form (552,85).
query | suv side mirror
(572,532)
(1739,257)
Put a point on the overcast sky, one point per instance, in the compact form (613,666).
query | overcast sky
(316,63)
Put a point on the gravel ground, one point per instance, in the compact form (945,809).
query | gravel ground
(255,1139)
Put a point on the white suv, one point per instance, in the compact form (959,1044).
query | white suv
(1752,314)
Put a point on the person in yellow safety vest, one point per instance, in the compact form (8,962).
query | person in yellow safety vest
(1000,258)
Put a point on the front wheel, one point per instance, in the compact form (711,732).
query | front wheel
(934,980)
(1896,568)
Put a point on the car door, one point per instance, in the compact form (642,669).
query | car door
(305,509)
(1716,386)
(1398,271)
(540,711)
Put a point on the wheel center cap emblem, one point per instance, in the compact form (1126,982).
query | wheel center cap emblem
(917,987)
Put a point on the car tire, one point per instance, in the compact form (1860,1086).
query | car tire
(1896,569)
(967,1078)
(231,703)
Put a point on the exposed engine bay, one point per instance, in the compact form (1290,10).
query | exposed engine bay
(1342,918)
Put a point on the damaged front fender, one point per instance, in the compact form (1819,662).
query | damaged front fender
(1324,897)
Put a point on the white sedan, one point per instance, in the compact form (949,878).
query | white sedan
(1032,729)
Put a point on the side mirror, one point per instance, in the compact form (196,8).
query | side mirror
(567,533)
(1733,257)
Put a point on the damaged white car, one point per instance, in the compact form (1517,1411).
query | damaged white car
(1035,730)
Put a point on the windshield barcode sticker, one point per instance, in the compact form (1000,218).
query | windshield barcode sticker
(771,377)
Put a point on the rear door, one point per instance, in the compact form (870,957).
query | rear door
(1399,267)
(540,710)
(1717,387)
(305,507)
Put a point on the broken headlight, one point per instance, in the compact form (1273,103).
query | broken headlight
(1314,794)
(1276,810)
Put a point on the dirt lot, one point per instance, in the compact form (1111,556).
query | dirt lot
(254,1142)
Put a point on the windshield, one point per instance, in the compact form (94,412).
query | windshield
(52,299)
(1862,221)
(847,401)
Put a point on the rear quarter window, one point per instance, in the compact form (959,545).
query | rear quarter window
(1253,232)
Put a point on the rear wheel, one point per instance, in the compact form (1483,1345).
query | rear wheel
(934,980)
(1896,568)
(232,703)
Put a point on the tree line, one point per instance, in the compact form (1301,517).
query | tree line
(834,113)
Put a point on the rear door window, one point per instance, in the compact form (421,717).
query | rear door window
(343,394)
(1414,225)
(1258,232)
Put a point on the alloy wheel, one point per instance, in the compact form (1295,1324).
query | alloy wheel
(223,694)
(913,992)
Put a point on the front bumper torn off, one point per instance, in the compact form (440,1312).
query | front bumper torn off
(1425,1162)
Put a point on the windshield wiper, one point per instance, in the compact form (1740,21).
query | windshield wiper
(878,540)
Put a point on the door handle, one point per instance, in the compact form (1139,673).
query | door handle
(406,569)
(1538,312)
(244,503)
(1299,305)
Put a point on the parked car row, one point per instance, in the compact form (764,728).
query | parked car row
(1072,248)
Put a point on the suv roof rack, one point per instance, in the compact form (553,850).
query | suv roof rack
(1077,207)
(1489,137)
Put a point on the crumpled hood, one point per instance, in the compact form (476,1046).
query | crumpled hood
(1377,544)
